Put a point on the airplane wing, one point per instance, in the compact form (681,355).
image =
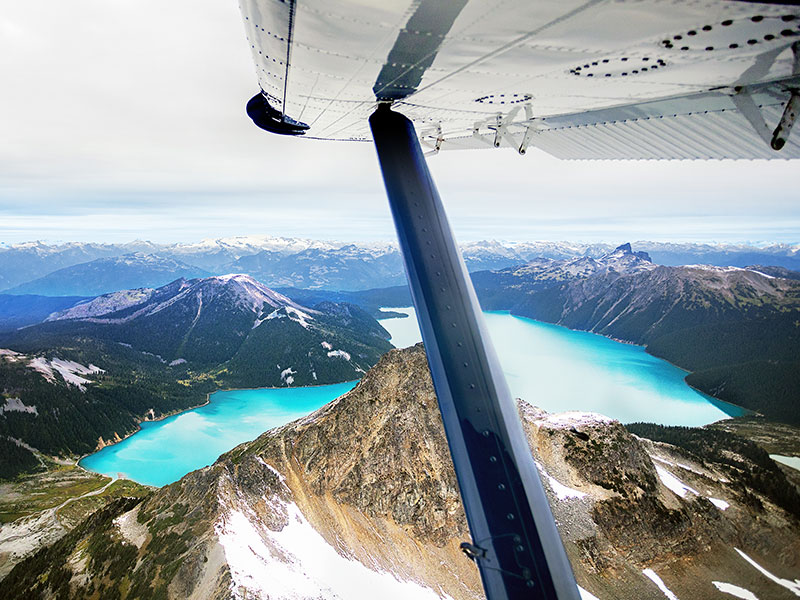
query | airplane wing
(597,79)
(581,79)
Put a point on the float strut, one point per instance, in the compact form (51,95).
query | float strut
(522,556)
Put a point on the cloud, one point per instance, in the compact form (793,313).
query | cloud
(126,118)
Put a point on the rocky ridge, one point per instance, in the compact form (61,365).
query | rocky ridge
(233,323)
(364,488)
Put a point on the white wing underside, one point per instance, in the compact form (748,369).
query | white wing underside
(603,79)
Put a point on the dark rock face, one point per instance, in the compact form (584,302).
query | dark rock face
(381,449)
(625,469)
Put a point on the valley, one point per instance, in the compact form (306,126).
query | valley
(83,374)
(736,329)
(93,373)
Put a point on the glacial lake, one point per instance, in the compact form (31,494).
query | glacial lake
(164,451)
(547,365)
(558,369)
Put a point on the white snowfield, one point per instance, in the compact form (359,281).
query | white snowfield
(792,586)
(248,293)
(251,244)
(575,418)
(69,370)
(720,504)
(286,375)
(296,562)
(287,312)
(651,575)
(734,590)
(102,305)
(789,461)
(339,354)
(683,490)
(17,405)
(561,491)
(674,484)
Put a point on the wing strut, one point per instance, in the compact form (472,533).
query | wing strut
(514,539)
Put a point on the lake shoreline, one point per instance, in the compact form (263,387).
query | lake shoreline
(186,410)
(628,342)
(198,435)
(726,410)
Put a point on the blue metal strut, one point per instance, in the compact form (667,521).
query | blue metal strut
(515,542)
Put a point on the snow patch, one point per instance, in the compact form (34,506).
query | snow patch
(177,361)
(299,316)
(293,314)
(792,586)
(296,562)
(674,484)
(339,354)
(586,595)
(561,491)
(734,590)
(720,504)
(326,345)
(286,376)
(69,370)
(789,461)
(577,418)
(103,305)
(651,575)
(17,405)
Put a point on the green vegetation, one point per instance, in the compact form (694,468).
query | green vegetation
(75,511)
(70,422)
(40,491)
(16,460)
(750,363)
(751,464)
(46,574)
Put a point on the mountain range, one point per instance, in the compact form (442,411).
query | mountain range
(88,269)
(736,328)
(359,500)
(105,275)
(93,371)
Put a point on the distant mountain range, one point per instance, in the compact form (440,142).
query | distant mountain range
(89,269)
(360,500)
(105,275)
(736,328)
(150,352)
(19,311)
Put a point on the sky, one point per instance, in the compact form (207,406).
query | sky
(124,119)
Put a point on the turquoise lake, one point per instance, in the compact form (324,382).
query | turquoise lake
(164,451)
(558,369)
(549,366)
